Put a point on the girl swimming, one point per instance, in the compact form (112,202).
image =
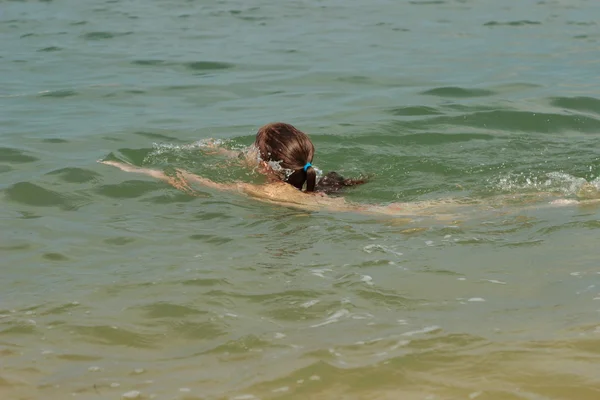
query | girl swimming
(285,155)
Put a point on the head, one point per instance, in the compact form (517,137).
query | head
(334,182)
(292,149)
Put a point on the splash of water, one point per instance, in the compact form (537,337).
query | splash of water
(555,181)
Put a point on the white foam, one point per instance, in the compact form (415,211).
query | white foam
(244,397)
(476,299)
(309,303)
(427,329)
(281,389)
(319,272)
(335,317)
(400,343)
(495,281)
(367,279)
(133,394)
(370,248)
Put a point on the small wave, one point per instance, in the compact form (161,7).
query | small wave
(15,156)
(512,23)
(581,103)
(103,35)
(453,91)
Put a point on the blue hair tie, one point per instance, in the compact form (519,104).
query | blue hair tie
(307,166)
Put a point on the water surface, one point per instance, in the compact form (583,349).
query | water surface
(115,284)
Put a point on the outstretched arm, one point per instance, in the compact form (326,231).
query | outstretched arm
(179,181)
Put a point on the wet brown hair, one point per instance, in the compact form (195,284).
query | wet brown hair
(292,149)
(334,182)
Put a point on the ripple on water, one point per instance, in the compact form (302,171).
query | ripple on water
(169,310)
(149,63)
(458,92)
(175,197)
(62,309)
(157,136)
(206,330)
(427,2)
(206,282)
(523,22)
(520,121)
(581,103)
(435,139)
(387,298)
(103,35)
(15,156)
(75,175)
(208,65)
(115,336)
(55,140)
(243,345)
(49,49)
(414,111)
(192,65)
(55,257)
(33,195)
(59,94)
(211,239)
(119,241)
(18,327)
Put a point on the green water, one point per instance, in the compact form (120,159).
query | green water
(113,282)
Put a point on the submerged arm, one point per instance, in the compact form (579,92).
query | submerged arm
(275,193)
(179,181)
